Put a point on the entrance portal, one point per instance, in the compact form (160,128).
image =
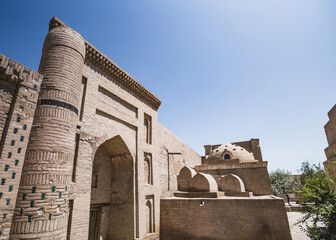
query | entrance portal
(112,193)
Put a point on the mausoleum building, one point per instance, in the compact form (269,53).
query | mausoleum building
(83,156)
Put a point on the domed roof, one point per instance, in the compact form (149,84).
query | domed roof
(229,151)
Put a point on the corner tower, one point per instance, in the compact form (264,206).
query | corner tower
(42,204)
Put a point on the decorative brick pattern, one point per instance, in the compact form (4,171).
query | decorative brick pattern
(49,171)
(18,98)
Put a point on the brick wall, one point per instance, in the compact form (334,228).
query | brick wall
(169,166)
(19,88)
(229,218)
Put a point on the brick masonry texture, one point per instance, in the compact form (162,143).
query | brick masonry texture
(19,88)
(47,168)
(224,218)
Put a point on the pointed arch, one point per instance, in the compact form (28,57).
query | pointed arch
(113,192)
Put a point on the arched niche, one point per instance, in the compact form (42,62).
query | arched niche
(231,183)
(203,182)
(149,218)
(184,177)
(148,128)
(148,169)
(112,199)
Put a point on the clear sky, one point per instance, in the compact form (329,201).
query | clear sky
(226,70)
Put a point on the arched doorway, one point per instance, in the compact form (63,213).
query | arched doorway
(112,193)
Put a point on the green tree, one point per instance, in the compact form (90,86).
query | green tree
(319,203)
(282,183)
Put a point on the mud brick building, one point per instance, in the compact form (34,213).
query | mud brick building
(228,196)
(92,162)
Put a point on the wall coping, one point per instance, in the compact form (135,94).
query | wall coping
(231,166)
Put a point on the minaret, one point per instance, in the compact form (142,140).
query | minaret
(42,204)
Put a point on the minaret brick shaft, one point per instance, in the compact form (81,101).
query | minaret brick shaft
(42,203)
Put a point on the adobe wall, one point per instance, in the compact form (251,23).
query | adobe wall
(224,219)
(330,151)
(19,89)
(169,167)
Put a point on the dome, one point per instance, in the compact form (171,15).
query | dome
(228,151)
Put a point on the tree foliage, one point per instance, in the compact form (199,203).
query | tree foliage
(318,197)
(282,183)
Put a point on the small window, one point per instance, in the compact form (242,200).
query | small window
(24,126)
(227,156)
(16,162)
(13,175)
(15,130)
(12,142)
(6,168)
(10,188)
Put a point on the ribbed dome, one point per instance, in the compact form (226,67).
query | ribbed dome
(229,151)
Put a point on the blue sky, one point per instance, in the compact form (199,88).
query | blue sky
(225,71)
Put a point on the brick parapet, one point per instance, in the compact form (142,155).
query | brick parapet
(16,73)
(231,166)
